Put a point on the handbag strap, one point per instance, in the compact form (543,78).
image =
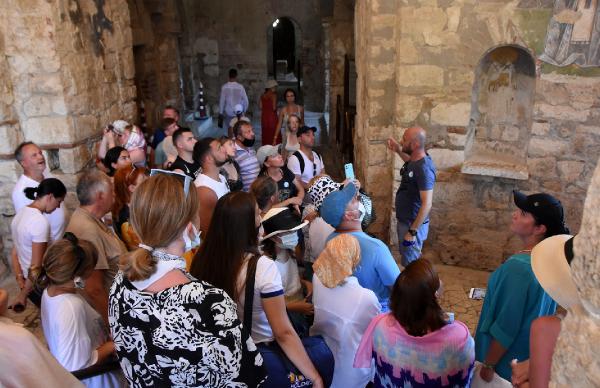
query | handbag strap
(249,300)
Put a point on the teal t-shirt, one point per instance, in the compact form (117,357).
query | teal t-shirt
(513,300)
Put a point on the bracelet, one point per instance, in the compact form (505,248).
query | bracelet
(488,366)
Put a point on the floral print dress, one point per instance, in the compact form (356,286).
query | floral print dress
(184,336)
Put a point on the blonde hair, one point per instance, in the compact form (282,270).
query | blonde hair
(68,258)
(338,260)
(159,212)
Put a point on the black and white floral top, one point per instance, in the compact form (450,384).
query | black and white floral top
(185,336)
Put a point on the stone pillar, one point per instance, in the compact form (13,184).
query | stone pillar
(66,70)
(575,362)
(375,34)
(341,43)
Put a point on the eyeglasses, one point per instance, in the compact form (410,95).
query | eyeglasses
(133,168)
(184,178)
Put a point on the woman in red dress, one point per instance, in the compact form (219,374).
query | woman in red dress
(268,107)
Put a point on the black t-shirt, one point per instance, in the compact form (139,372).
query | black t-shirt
(190,169)
(286,186)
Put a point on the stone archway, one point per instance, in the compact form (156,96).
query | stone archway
(283,31)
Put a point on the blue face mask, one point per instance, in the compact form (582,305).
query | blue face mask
(193,242)
(288,241)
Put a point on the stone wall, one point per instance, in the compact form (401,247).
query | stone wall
(575,362)
(341,43)
(156,31)
(230,34)
(423,73)
(66,71)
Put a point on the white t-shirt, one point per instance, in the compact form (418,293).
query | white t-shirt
(220,188)
(267,284)
(311,169)
(25,361)
(28,226)
(56,218)
(290,277)
(342,314)
(318,231)
(74,330)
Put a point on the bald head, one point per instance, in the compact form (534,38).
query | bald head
(413,140)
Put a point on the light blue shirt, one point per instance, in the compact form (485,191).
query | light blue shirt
(377,269)
(513,300)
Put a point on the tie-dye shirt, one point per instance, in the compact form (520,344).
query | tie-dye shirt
(443,358)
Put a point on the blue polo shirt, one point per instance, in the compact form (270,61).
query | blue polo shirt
(416,176)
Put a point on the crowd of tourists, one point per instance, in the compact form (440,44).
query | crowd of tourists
(212,262)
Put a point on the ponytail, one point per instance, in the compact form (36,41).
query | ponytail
(47,186)
(138,264)
(30,192)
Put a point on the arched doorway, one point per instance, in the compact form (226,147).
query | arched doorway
(283,50)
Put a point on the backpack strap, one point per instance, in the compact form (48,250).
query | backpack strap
(249,300)
(300,161)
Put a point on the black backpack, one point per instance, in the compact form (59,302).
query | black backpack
(301,159)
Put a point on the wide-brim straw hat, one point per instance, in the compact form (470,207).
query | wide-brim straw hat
(550,261)
(338,260)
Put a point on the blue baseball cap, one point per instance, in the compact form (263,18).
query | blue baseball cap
(334,205)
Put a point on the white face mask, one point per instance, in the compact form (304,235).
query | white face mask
(361,211)
(193,242)
(288,241)
(79,282)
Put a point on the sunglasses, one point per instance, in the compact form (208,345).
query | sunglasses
(186,180)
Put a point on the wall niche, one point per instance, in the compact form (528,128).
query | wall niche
(501,114)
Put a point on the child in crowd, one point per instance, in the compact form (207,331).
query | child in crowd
(75,332)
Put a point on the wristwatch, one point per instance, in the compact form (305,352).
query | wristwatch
(413,232)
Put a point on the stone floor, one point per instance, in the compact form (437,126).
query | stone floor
(457,282)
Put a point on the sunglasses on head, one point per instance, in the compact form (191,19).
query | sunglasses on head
(186,180)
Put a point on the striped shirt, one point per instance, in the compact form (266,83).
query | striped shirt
(249,167)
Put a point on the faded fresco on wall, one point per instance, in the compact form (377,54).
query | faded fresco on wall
(573,34)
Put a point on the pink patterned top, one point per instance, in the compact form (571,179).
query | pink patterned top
(443,358)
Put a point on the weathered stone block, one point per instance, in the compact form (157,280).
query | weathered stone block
(37,106)
(420,76)
(540,167)
(9,170)
(407,52)
(378,154)
(540,128)
(561,112)
(408,108)
(570,171)
(48,130)
(445,159)
(11,137)
(546,146)
(457,139)
(85,126)
(453,18)
(448,114)
(47,83)
(73,160)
